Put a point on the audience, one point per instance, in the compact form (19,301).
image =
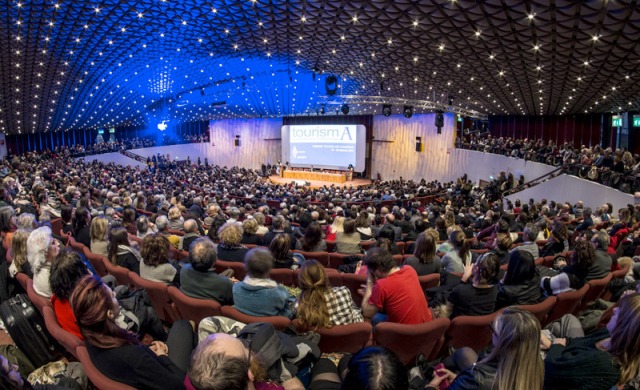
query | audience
(521,282)
(42,249)
(391,293)
(478,297)
(321,306)
(66,272)
(257,295)
(230,248)
(98,235)
(392,290)
(117,353)
(156,265)
(425,260)
(198,278)
(514,362)
(120,250)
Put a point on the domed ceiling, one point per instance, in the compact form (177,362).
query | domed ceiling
(92,64)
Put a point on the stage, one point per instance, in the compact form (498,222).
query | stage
(319,183)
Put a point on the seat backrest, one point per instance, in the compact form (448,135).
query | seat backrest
(56,226)
(398,259)
(134,238)
(68,340)
(193,309)
(278,322)
(341,338)
(429,281)
(183,255)
(368,244)
(176,232)
(353,282)
(38,300)
(596,289)
(400,245)
(77,246)
(98,379)
(237,267)
(407,341)
(96,261)
(321,257)
(567,302)
(120,273)
(540,310)
(283,276)
(337,259)
(22,279)
(470,331)
(158,295)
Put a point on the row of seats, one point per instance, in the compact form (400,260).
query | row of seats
(74,347)
(432,339)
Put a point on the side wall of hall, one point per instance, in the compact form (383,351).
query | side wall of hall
(393,150)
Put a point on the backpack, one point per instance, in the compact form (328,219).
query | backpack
(138,304)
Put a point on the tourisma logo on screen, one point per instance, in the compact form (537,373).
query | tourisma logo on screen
(334,134)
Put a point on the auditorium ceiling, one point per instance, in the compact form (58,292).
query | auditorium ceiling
(72,64)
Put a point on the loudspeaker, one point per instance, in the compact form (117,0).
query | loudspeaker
(236,142)
(439,119)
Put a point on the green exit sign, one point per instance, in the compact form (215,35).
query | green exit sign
(616,121)
(636,121)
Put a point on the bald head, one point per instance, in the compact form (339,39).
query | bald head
(220,362)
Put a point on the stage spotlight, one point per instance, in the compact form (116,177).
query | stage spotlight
(345,109)
(407,111)
(450,100)
(322,110)
(386,109)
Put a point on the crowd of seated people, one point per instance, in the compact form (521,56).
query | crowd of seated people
(488,256)
(124,144)
(614,167)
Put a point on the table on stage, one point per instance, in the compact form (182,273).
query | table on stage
(321,176)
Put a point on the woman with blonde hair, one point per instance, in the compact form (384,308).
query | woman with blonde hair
(230,247)
(98,234)
(249,235)
(19,250)
(606,359)
(176,221)
(514,363)
(319,304)
(336,227)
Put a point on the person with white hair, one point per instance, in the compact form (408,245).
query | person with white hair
(42,249)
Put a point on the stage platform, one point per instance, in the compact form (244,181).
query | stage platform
(319,183)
